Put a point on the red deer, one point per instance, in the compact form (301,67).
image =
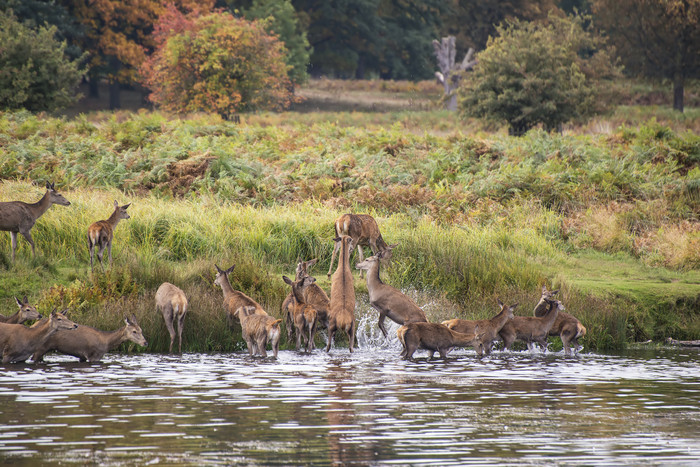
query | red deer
(364,231)
(172,303)
(304,316)
(489,327)
(435,337)
(26,312)
(233,299)
(531,329)
(18,342)
(90,344)
(258,330)
(313,295)
(342,306)
(387,300)
(567,327)
(19,217)
(101,233)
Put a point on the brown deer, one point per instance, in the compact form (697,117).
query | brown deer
(566,326)
(101,233)
(435,337)
(19,217)
(90,344)
(18,342)
(313,295)
(258,330)
(26,312)
(304,315)
(531,329)
(387,300)
(489,327)
(342,306)
(172,303)
(364,231)
(233,299)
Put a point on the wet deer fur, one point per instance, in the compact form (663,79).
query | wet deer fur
(304,315)
(26,312)
(489,328)
(19,217)
(364,232)
(18,342)
(172,303)
(342,306)
(101,233)
(567,327)
(531,329)
(387,300)
(435,337)
(89,344)
(259,330)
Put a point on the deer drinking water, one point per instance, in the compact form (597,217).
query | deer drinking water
(19,217)
(172,303)
(364,231)
(18,342)
(26,312)
(89,344)
(304,316)
(387,300)
(435,337)
(101,233)
(489,327)
(566,326)
(342,307)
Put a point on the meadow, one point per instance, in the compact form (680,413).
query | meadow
(608,211)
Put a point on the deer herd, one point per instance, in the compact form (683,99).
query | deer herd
(306,309)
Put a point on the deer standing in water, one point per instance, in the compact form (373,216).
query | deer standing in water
(435,337)
(566,326)
(531,329)
(489,327)
(342,307)
(18,342)
(304,316)
(387,300)
(313,296)
(364,231)
(172,303)
(233,299)
(26,312)
(101,233)
(19,217)
(258,330)
(90,344)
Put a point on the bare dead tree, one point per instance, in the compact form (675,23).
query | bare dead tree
(451,72)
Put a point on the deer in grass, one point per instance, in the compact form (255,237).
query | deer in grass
(101,233)
(435,337)
(567,327)
(489,327)
(18,342)
(531,329)
(304,315)
(172,303)
(26,312)
(313,295)
(342,307)
(387,300)
(89,344)
(364,231)
(19,217)
(233,299)
(259,330)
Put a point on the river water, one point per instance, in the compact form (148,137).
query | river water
(369,408)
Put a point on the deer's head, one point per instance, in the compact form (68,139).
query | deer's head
(59,320)
(27,312)
(134,332)
(222,275)
(54,196)
(508,309)
(121,210)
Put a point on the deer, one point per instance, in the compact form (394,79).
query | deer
(313,295)
(364,231)
(19,217)
(18,342)
(233,299)
(101,233)
(258,330)
(89,344)
(172,303)
(304,315)
(566,326)
(435,337)
(489,327)
(26,312)
(531,329)
(342,305)
(387,300)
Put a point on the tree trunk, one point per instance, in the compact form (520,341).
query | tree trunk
(114,95)
(678,84)
(94,87)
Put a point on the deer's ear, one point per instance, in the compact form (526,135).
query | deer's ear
(287,280)
(229,270)
(514,306)
(25,300)
(48,185)
(336,239)
(391,247)
(553,292)
(311,263)
(544,288)
(218,269)
(18,302)
(116,205)
(52,186)
(126,206)
(500,303)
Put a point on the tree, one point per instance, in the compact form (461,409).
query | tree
(215,63)
(534,73)
(657,38)
(35,73)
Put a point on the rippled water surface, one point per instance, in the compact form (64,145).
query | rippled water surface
(637,407)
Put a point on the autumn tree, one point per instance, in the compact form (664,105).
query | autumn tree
(215,63)
(656,38)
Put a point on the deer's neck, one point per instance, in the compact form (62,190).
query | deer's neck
(114,219)
(12,319)
(42,331)
(462,340)
(373,279)
(551,315)
(500,319)
(298,294)
(381,244)
(226,287)
(114,338)
(541,308)
(40,207)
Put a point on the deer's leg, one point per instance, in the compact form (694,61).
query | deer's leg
(331,333)
(262,343)
(109,252)
(180,325)
(168,317)
(312,331)
(28,236)
(100,254)
(382,316)
(360,253)
(299,330)
(91,247)
(249,342)
(565,342)
(13,237)
(351,335)
(336,247)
